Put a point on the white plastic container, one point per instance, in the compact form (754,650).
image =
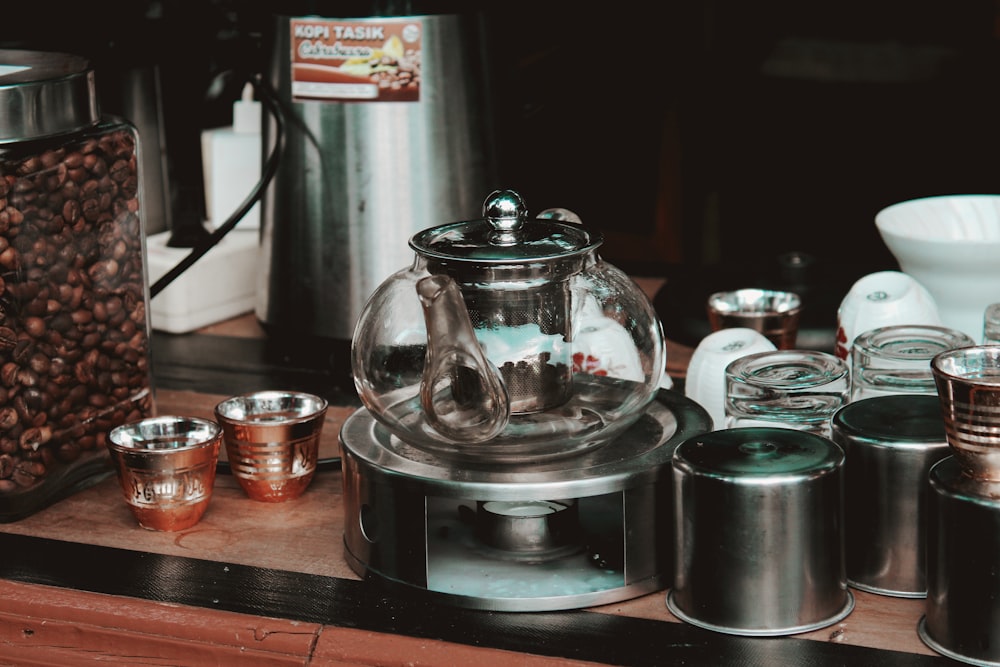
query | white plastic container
(231,163)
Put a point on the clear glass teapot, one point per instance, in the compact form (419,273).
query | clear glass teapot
(507,340)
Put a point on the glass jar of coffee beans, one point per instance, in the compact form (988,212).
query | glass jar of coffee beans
(74,333)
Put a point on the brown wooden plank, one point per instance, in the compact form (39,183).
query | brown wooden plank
(60,626)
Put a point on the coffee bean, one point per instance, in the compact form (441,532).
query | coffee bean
(74,339)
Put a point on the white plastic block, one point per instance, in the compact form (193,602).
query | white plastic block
(219,286)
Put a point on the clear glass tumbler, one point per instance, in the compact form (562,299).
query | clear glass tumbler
(897,359)
(797,389)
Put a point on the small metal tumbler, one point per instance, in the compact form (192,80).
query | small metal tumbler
(773,313)
(166,468)
(272,441)
(968,384)
(890,444)
(759,532)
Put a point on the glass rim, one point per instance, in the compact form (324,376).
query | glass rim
(876,342)
(986,370)
(751,300)
(245,407)
(186,433)
(808,368)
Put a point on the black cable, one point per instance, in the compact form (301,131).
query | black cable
(270,168)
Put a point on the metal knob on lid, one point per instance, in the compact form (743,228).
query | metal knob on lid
(505,211)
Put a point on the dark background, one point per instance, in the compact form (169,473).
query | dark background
(697,134)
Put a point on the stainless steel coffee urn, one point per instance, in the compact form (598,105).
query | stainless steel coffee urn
(387,131)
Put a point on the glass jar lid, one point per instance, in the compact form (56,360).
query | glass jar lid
(505,234)
(44,93)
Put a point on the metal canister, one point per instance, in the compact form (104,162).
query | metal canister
(759,532)
(890,444)
(963,582)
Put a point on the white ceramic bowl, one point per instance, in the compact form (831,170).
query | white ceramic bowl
(951,245)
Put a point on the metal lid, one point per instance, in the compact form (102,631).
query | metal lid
(757,453)
(895,418)
(505,234)
(43,93)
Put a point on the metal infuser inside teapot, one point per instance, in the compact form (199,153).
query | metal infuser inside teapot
(508,339)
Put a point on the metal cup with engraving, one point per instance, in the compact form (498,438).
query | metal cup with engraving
(166,467)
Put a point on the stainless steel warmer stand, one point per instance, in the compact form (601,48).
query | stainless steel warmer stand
(589,529)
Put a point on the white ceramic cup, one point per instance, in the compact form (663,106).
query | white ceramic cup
(882,299)
(705,383)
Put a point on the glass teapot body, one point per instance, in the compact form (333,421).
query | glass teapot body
(534,349)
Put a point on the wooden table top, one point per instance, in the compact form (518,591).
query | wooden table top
(305,536)
(298,544)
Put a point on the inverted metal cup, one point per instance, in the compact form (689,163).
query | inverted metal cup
(968,384)
(773,313)
(166,468)
(759,546)
(890,444)
(963,581)
(272,441)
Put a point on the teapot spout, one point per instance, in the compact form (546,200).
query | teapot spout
(462,393)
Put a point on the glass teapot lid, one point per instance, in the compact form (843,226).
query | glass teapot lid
(504,235)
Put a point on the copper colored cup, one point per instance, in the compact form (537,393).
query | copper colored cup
(968,386)
(771,312)
(272,441)
(166,467)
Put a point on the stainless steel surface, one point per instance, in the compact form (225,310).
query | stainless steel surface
(759,532)
(357,179)
(963,583)
(407,516)
(533,529)
(142,104)
(44,94)
(890,444)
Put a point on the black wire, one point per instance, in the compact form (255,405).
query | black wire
(270,168)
